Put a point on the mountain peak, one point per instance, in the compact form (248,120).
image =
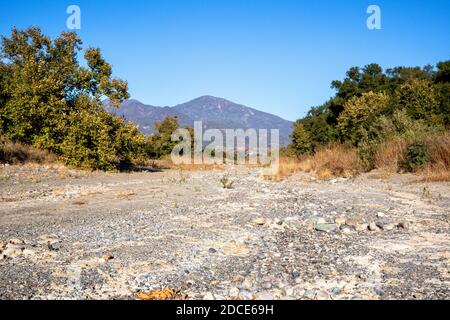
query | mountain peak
(214,112)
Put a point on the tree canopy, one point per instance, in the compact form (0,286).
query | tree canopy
(52,99)
(370,94)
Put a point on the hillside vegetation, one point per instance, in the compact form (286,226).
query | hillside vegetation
(396,119)
(50,100)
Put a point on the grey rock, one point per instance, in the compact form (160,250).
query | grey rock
(233,292)
(309,294)
(264,296)
(404,225)
(326,227)
(246,295)
(322,295)
(209,296)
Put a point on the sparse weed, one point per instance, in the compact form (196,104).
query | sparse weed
(426,193)
(226,182)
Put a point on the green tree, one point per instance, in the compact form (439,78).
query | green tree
(301,140)
(53,102)
(420,99)
(359,113)
(160,143)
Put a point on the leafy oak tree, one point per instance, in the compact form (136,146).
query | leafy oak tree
(50,100)
(372,107)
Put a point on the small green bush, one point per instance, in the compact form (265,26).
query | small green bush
(416,156)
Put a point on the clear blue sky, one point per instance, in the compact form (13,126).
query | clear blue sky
(277,56)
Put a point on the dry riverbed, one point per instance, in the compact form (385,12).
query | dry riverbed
(68,234)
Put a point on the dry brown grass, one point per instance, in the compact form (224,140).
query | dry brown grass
(336,160)
(287,167)
(439,151)
(434,174)
(15,153)
(332,160)
(390,155)
(166,164)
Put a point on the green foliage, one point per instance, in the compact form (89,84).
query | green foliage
(420,99)
(359,113)
(49,100)
(160,144)
(416,157)
(301,140)
(372,106)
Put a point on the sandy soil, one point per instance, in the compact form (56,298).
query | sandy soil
(68,234)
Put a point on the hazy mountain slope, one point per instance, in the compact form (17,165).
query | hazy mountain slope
(223,114)
(215,113)
(145,116)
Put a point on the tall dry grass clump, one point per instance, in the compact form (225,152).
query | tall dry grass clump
(438,168)
(390,155)
(15,153)
(430,155)
(165,163)
(336,160)
(287,167)
(439,150)
(329,161)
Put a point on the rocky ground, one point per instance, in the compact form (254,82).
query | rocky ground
(67,234)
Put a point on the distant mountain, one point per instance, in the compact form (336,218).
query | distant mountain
(217,113)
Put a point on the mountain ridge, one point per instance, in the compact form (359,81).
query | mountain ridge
(214,112)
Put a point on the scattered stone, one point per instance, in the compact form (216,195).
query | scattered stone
(346,230)
(28,252)
(309,294)
(404,225)
(389,227)
(266,285)
(336,291)
(354,221)
(340,220)
(264,296)
(299,291)
(53,246)
(321,221)
(238,278)
(361,227)
(293,223)
(248,283)
(381,215)
(259,221)
(16,241)
(233,292)
(212,250)
(384,224)
(322,295)
(12,252)
(290,291)
(209,296)
(326,227)
(106,258)
(246,295)
(373,227)
(378,291)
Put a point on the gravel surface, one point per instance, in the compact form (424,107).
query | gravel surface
(68,234)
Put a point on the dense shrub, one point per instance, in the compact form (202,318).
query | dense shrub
(50,100)
(393,118)
(416,156)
